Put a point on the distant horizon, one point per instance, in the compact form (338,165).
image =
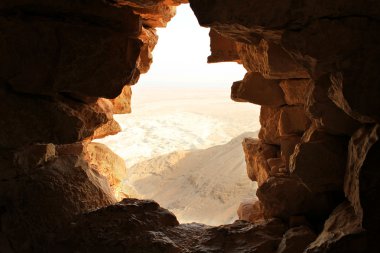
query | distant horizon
(180,57)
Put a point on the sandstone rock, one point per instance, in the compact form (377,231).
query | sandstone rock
(122,103)
(320,161)
(296,240)
(251,210)
(109,128)
(288,145)
(276,165)
(90,50)
(285,196)
(296,91)
(258,90)
(270,60)
(47,194)
(362,181)
(153,13)
(256,155)
(269,120)
(222,49)
(261,237)
(298,221)
(342,232)
(131,224)
(326,114)
(293,121)
(107,164)
(27,119)
(149,39)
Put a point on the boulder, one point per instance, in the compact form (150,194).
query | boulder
(257,90)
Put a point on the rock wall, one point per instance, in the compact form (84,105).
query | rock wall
(67,67)
(311,65)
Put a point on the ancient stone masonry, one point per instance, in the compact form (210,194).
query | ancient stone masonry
(312,65)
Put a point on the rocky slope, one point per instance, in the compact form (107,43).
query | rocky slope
(312,66)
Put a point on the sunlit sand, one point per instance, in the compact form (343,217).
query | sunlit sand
(182,147)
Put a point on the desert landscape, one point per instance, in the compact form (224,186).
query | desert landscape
(184,150)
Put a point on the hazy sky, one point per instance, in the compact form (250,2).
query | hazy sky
(180,57)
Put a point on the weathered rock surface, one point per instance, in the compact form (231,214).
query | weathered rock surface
(284,196)
(269,120)
(27,119)
(256,155)
(342,232)
(296,91)
(362,180)
(49,186)
(325,113)
(251,210)
(293,121)
(320,161)
(222,49)
(296,240)
(82,48)
(257,90)
(142,226)
(270,60)
(107,164)
(122,103)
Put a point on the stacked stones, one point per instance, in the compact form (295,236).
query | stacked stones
(319,110)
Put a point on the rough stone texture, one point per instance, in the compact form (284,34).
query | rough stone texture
(108,164)
(149,39)
(288,145)
(142,226)
(28,119)
(257,90)
(122,103)
(109,128)
(362,180)
(296,240)
(342,232)
(325,113)
(320,161)
(284,196)
(293,121)
(270,60)
(296,91)
(251,210)
(256,155)
(269,120)
(48,187)
(88,49)
(222,49)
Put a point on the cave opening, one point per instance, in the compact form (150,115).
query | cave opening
(182,141)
